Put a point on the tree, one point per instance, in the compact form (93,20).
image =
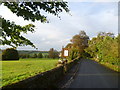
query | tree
(69,45)
(80,42)
(85,38)
(74,53)
(93,46)
(104,48)
(77,46)
(29,11)
(10,54)
(40,55)
(34,55)
(104,34)
(46,56)
(12,34)
(53,53)
(27,56)
(56,54)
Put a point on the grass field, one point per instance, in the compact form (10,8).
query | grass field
(14,71)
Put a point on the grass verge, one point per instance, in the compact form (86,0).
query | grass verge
(108,65)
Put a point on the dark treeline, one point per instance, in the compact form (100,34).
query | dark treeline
(30,51)
(39,54)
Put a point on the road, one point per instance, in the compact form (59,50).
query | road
(90,74)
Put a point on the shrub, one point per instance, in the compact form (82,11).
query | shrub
(10,54)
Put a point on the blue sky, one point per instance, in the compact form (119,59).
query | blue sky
(92,17)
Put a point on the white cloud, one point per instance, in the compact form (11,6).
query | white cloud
(92,0)
(4,11)
(91,17)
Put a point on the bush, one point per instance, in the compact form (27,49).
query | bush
(10,54)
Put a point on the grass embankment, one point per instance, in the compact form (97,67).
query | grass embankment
(14,71)
(108,65)
(113,67)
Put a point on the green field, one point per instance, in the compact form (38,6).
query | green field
(14,71)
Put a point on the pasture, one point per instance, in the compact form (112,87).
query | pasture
(14,71)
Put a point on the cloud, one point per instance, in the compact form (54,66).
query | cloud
(92,0)
(4,11)
(92,17)
(47,36)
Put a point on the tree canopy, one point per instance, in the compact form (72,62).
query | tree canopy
(31,11)
(78,43)
(104,48)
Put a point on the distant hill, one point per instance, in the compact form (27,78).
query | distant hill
(31,52)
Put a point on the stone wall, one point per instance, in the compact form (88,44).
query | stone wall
(45,79)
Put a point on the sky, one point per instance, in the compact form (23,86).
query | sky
(92,17)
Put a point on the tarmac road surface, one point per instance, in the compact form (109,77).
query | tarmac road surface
(90,74)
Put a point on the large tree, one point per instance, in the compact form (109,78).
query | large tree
(79,43)
(32,11)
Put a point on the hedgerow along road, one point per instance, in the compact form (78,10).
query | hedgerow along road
(90,74)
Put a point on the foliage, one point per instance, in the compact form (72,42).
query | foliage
(79,43)
(53,53)
(74,53)
(106,34)
(30,53)
(12,33)
(10,54)
(32,10)
(46,56)
(27,56)
(14,71)
(40,55)
(104,49)
(69,45)
(34,54)
(23,56)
